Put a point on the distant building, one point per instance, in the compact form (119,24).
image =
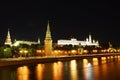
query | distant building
(18,42)
(8,39)
(74,41)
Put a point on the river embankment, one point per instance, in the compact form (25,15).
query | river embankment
(46,59)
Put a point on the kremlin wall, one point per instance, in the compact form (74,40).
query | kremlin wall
(62,47)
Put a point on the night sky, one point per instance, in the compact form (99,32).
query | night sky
(28,21)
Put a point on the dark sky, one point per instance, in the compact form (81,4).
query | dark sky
(28,20)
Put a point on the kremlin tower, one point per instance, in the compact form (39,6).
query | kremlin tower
(8,39)
(48,41)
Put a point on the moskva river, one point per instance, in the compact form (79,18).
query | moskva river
(104,68)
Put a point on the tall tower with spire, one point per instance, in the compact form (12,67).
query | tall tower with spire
(8,39)
(48,41)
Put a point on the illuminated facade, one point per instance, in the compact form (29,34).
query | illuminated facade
(18,42)
(48,41)
(73,41)
(8,39)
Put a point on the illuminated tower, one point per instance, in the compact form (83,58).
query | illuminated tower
(8,39)
(38,40)
(48,41)
(90,39)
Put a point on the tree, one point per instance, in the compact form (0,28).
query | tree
(1,52)
(7,52)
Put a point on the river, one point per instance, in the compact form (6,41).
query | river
(104,68)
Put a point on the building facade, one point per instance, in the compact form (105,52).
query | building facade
(18,42)
(74,41)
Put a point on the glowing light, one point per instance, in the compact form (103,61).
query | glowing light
(39,71)
(103,60)
(87,71)
(73,70)
(38,51)
(89,64)
(95,61)
(111,57)
(57,70)
(73,51)
(85,63)
(21,51)
(85,51)
(118,57)
(23,73)
(95,51)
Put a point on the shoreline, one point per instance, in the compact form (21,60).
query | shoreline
(46,59)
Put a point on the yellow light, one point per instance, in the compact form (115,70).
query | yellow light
(73,70)
(94,51)
(38,51)
(23,73)
(85,51)
(85,63)
(39,71)
(21,51)
(57,70)
(95,61)
(73,51)
(25,51)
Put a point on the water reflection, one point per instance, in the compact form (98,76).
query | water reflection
(85,63)
(73,70)
(87,70)
(118,58)
(103,60)
(23,73)
(57,70)
(96,70)
(95,61)
(40,71)
(103,68)
(7,73)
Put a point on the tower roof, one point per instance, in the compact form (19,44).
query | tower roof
(48,33)
(8,39)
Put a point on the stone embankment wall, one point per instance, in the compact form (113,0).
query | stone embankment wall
(46,59)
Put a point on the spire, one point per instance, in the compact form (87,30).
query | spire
(38,40)
(48,33)
(110,45)
(90,39)
(8,39)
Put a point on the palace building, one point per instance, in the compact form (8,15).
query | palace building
(18,42)
(74,41)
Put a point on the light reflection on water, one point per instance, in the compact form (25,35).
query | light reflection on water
(39,71)
(73,70)
(95,61)
(23,73)
(87,70)
(104,68)
(57,70)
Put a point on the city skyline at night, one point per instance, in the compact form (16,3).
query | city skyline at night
(76,19)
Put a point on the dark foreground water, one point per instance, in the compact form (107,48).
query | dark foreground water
(85,69)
